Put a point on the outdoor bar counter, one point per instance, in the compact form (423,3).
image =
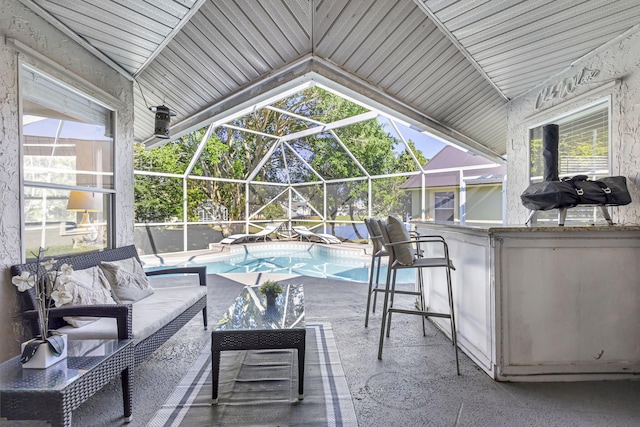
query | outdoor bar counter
(543,303)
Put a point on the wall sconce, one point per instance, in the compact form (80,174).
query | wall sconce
(85,202)
(163,119)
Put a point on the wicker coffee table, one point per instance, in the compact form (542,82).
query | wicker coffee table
(251,325)
(51,394)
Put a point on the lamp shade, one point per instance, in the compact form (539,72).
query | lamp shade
(84,201)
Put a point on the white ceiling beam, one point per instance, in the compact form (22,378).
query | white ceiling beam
(255,132)
(297,116)
(158,50)
(199,150)
(263,161)
(329,126)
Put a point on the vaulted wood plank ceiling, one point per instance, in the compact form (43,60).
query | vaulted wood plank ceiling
(449,66)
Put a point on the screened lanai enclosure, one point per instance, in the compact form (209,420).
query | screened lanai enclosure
(312,157)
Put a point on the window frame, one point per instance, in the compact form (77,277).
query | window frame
(573,215)
(437,209)
(82,90)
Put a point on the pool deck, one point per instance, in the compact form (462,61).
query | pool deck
(414,385)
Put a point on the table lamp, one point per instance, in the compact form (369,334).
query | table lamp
(85,202)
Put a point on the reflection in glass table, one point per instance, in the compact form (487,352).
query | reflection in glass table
(51,394)
(251,324)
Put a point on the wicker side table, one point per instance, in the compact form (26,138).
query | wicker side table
(51,394)
(251,325)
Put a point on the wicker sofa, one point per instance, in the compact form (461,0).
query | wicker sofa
(149,322)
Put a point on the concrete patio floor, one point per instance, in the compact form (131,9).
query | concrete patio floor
(414,385)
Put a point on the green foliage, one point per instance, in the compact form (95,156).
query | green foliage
(271,287)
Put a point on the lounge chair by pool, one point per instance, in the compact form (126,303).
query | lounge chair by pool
(245,237)
(305,233)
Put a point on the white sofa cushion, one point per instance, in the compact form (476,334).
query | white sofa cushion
(82,287)
(149,314)
(128,281)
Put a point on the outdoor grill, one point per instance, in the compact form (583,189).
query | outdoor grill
(554,193)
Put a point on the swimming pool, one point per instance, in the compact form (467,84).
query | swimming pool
(303,259)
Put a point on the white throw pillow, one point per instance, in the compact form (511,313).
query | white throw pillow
(398,233)
(83,287)
(127,279)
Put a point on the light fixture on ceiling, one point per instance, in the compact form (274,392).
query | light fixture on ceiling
(162,122)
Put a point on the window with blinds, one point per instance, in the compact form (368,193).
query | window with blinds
(67,167)
(583,149)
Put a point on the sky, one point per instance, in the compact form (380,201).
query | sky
(429,145)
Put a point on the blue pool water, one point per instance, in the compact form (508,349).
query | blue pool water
(312,261)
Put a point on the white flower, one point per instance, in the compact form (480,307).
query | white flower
(66,269)
(61,296)
(24,281)
(48,264)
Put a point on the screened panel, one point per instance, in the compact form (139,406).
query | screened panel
(313,107)
(153,239)
(347,200)
(276,122)
(232,153)
(310,199)
(326,107)
(275,168)
(329,159)
(377,151)
(202,203)
(200,235)
(157,199)
(348,230)
(268,201)
(387,198)
(230,196)
(298,167)
(173,157)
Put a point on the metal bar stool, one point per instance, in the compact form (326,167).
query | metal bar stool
(373,227)
(402,255)
(376,259)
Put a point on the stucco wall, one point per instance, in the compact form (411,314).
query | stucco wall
(619,78)
(85,72)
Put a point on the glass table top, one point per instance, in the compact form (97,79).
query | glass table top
(249,311)
(82,357)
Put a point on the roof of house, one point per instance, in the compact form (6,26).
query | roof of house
(452,158)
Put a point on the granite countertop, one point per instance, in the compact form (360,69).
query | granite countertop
(524,229)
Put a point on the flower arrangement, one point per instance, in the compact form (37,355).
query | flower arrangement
(271,288)
(49,286)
